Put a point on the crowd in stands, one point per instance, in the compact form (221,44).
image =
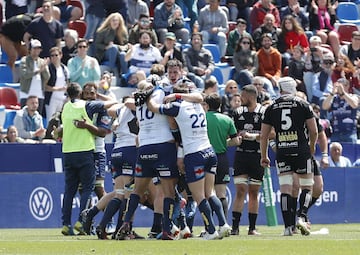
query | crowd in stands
(260,40)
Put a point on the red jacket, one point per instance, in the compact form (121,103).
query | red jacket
(258,13)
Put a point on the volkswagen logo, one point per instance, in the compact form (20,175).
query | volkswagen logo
(40,203)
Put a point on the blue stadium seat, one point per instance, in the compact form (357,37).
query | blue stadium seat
(3,57)
(9,118)
(347,12)
(5,74)
(218,75)
(215,51)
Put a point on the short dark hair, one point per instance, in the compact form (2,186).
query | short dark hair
(250,89)
(209,83)
(73,90)
(82,41)
(143,15)
(197,33)
(213,101)
(181,88)
(174,62)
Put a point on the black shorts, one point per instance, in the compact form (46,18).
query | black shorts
(249,164)
(222,171)
(295,164)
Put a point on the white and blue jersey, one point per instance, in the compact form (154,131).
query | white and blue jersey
(123,156)
(199,154)
(143,59)
(154,128)
(191,119)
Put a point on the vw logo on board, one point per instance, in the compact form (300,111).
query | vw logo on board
(40,203)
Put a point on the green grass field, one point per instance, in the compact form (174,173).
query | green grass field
(343,239)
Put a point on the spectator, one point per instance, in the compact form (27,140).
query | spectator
(120,6)
(28,120)
(82,67)
(11,36)
(12,136)
(319,83)
(345,69)
(56,86)
(69,50)
(211,86)
(213,24)
(235,35)
(322,18)
(356,163)
(192,10)
(13,8)
(46,29)
(352,50)
(168,17)
(94,15)
(169,50)
(65,12)
(269,63)
(110,37)
(136,8)
(231,88)
(245,61)
(259,11)
(268,27)
(294,9)
(297,67)
(240,9)
(104,86)
(235,102)
(291,35)
(336,158)
(198,61)
(34,75)
(143,23)
(343,107)
(263,97)
(142,55)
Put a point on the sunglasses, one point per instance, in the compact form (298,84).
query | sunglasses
(54,55)
(257,84)
(82,46)
(233,87)
(328,62)
(245,42)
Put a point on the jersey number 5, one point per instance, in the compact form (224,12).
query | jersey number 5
(286,121)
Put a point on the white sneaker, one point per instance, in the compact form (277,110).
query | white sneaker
(224,230)
(185,233)
(303,226)
(212,236)
(288,231)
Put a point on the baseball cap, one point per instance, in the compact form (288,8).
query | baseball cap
(35,43)
(287,85)
(170,35)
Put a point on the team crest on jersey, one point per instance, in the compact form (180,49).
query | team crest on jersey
(138,170)
(256,118)
(106,120)
(199,171)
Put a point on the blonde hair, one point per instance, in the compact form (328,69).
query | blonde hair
(230,83)
(121,31)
